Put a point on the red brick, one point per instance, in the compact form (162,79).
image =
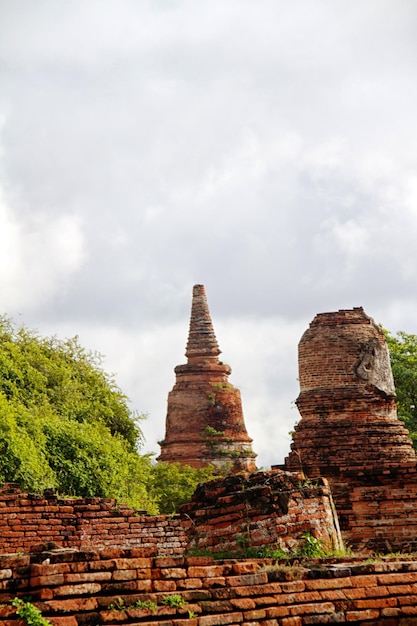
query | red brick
(243,603)
(404,600)
(220,620)
(293,587)
(292,621)
(377,603)
(333,594)
(205,571)
(73,590)
(82,577)
(173,572)
(189,583)
(398,578)
(134,563)
(277,611)
(63,621)
(168,561)
(264,600)
(113,616)
(124,574)
(256,614)
(245,567)
(366,581)
(390,612)
(45,593)
(328,583)
(305,609)
(47,581)
(72,605)
(164,585)
(358,616)
(409,610)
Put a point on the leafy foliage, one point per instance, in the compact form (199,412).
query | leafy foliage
(64,423)
(403,355)
(29,613)
(172,484)
(22,448)
(174,600)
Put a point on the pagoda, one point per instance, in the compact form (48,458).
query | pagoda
(347,399)
(204,423)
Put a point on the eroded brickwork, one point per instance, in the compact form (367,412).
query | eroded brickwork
(349,431)
(205,423)
(116,586)
(83,523)
(259,509)
(347,399)
(272,509)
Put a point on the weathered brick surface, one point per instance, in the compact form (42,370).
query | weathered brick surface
(349,431)
(272,508)
(205,423)
(249,595)
(258,509)
(347,399)
(82,523)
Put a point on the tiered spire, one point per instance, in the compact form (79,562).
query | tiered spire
(204,424)
(202,343)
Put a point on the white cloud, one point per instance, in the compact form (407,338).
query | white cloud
(9,253)
(38,257)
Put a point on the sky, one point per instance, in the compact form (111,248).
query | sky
(267,150)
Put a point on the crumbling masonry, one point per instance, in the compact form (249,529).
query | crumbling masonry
(350,434)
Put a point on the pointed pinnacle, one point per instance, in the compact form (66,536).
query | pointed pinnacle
(202,343)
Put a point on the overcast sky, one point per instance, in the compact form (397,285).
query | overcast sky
(267,150)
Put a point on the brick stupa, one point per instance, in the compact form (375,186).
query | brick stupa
(205,423)
(349,422)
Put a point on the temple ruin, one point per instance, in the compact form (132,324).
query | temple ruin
(204,423)
(350,478)
(349,432)
(347,400)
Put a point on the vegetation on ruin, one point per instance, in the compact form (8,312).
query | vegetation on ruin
(173,484)
(174,600)
(308,548)
(403,355)
(29,613)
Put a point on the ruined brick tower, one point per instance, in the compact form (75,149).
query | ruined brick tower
(347,400)
(204,423)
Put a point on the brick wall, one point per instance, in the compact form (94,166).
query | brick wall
(253,509)
(377,512)
(349,431)
(116,586)
(261,509)
(27,519)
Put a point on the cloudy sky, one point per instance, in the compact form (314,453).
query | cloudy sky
(267,150)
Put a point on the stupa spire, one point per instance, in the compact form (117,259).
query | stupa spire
(202,344)
(204,423)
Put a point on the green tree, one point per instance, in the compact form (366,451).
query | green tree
(64,423)
(403,355)
(173,484)
(22,448)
